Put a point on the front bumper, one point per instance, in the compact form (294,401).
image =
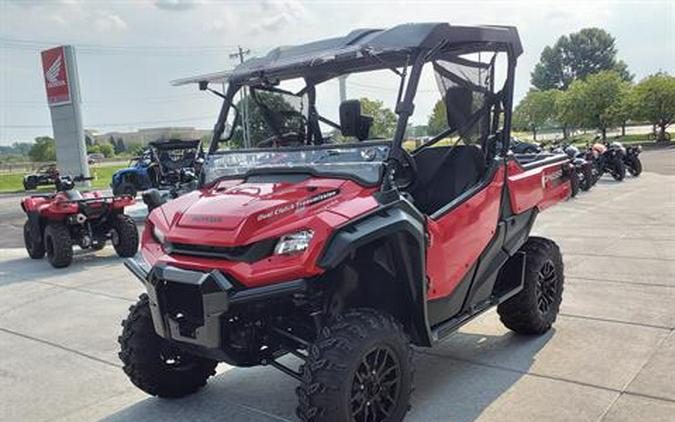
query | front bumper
(188,306)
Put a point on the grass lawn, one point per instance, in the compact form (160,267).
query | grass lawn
(13,182)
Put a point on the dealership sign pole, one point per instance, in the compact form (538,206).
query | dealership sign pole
(63,96)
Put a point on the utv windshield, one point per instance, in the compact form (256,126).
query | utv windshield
(269,115)
(362,161)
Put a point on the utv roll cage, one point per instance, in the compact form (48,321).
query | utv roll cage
(404,49)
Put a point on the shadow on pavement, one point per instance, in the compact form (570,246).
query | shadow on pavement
(446,388)
(25,269)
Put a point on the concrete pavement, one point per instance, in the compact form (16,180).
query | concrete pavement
(610,357)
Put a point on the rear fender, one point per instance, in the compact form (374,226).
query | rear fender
(538,184)
(401,228)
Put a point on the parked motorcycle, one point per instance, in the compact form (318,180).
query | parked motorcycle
(582,167)
(632,160)
(608,159)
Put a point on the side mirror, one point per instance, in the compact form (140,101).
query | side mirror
(458,104)
(230,124)
(352,123)
(153,199)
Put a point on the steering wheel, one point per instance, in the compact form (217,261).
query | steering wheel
(289,139)
(405,170)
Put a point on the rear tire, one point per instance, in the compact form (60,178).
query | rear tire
(124,235)
(28,185)
(587,181)
(58,245)
(597,174)
(153,364)
(619,171)
(535,308)
(360,365)
(36,250)
(574,182)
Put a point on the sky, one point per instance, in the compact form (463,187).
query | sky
(128,51)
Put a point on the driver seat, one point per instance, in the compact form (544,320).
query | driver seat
(444,173)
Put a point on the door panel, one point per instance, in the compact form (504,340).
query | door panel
(458,237)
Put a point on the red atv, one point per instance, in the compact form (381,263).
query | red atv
(343,254)
(58,220)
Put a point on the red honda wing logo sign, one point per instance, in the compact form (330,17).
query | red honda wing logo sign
(56,76)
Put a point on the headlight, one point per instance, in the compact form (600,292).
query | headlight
(293,243)
(158,235)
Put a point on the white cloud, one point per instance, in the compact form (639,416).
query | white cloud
(225,21)
(108,22)
(177,5)
(279,14)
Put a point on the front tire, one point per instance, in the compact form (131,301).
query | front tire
(634,166)
(358,370)
(58,245)
(153,364)
(124,235)
(535,308)
(36,250)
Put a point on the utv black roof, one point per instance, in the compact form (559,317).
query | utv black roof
(174,144)
(365,49)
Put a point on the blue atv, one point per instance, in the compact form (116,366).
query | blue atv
(160,167)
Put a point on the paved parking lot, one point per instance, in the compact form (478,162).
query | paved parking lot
(611,356)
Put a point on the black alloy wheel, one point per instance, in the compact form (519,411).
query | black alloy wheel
(376,385)
(546,290)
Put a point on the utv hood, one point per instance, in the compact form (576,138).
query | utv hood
(236,212)
(228,208)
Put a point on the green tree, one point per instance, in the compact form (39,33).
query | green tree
(654,101)
(44,149)
(438,121)
(94,149)
(384,120)
(535,110)
(622,110)
(107,150)
(120,147)
(566,111)
(593,103)
(576,56)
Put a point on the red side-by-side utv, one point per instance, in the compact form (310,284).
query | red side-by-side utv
(58,221)
(340,249)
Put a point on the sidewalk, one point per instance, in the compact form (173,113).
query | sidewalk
(610,357)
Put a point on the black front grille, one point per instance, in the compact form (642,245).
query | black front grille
(247,253)
(183,304)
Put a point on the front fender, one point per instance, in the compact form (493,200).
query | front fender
(402,225)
